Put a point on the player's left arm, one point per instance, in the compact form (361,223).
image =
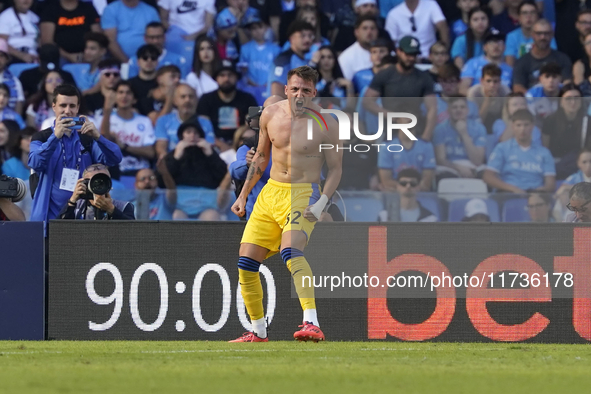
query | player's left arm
(334,162)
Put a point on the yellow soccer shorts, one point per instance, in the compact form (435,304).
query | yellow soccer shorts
(280,208)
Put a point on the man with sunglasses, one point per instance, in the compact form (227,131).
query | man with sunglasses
(580,197)
(110,75)
(154,36)
(411,210)
(144,82)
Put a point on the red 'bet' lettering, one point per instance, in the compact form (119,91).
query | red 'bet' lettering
(477,297)
(380,321)
(578,265)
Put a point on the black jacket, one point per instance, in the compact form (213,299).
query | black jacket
(196,169)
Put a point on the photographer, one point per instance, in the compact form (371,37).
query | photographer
(58,154)
(85,205)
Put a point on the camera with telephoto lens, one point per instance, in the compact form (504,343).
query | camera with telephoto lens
(78,122)
(100,184)
(12,188)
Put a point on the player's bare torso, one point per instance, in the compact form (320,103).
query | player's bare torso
(296,159)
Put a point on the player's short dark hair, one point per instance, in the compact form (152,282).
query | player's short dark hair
(551,69)
(522,114)
(526,2)
(307,73)
(449,71)
(66,89)
(148,49)
(359,21)
(169,68)
(152,25)
(409,173)
(299,26)
(491,70)
(124,82)
(97,37)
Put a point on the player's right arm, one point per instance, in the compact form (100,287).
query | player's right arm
(258,165)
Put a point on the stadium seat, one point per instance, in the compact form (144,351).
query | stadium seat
(456,209)
(457,188)
(17,68)
(128,181)
(431,202)
(360,208)
(515,210)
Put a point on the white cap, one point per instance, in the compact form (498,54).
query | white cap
(474,207)
(359,3)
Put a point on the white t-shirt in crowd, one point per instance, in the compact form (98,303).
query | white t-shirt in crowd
(135,132)
(426,16)
(188,15)
(353,59)
(202,84)
(21,34)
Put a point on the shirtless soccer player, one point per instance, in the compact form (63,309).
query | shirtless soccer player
(289,205)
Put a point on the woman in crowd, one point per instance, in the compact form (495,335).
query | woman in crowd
(331,82)
(206,61)
(469,45)
(567,131)
(39,107)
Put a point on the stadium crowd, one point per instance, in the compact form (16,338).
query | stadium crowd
(499,88)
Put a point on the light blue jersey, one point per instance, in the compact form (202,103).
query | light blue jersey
(258,59)
(445,134)
(130,24)
(473,69)
(168,125)
(362,79)
(522,167)
(283,62)
(443,113)
(420,157)
(517,45)
(166,58)
(573,179)
(460,49)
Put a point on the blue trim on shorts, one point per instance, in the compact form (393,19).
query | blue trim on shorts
(248,264)
(315,193)
(290,253)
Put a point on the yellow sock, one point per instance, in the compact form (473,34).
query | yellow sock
(252,293)
(299,268)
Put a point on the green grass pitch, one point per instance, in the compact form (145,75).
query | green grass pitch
(291,367)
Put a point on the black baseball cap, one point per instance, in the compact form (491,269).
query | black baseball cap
(493,35)
(226,66)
